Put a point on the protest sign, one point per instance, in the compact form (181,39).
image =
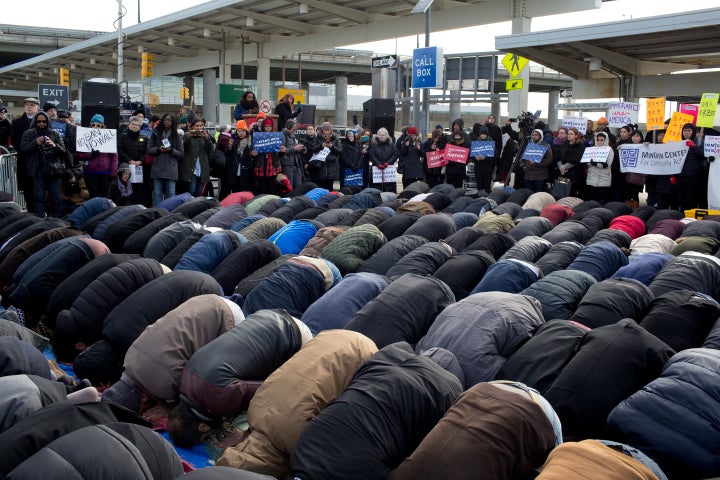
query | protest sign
(456,154)
(387,175)
(711,146)
(321,155)
(622,113)
(267,142)
(482,147)
(690,109)
(352,178)
(655,113)
(136,174)
(534,152)
(596,154)
(674,130)
(435,158)
(59,127)
(714,186)
(708,107)
(653,158)
(101,139)
(578,122)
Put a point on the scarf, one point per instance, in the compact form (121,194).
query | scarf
(125,191)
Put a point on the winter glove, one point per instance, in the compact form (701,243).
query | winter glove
(673,180)
(381,166)
(594,164)
(690,143)
(355,168)
(710,159)
(95,153)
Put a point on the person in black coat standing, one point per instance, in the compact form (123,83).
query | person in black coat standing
(283,109)
(411,158)
(19,126)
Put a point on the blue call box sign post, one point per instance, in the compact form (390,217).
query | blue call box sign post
(427,67)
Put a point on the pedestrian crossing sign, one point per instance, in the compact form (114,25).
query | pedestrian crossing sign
(514,84)
(514,64)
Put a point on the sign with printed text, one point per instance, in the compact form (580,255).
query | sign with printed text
(653,158)
(690,109)
(456,154)
(435,158)
(267,142)
(580,123)
(427,67)
(101,139)
(321,155)
(622,113)
(674,130)
(711,146)
(708,107)
(386,61)
(59,127)
(655,113)
(534,152)
(386,175)
(596,154)
(514,64)
(482,147)
(55,94)
(136,174)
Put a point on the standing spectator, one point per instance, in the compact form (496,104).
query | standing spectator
(366,139)
(223,164)
(631,191)
(284,107)
(568,161)
(121,190)
(132,149)
(166,146)
(194,170)
(247,104)
(98,167)
(654,199)
(557,145)
(599,175)
(411,153)
(5,128)
(41,145)
(245,164)
(403,137)
(352,156)
(383,154)
(455,172)
(267,165)
(307,143)
(324,172)
(51,110)
(19,127)
(602,126)
(495,134)
(536,173)
(291,160)
(483,164)
(692,180)
(433,176)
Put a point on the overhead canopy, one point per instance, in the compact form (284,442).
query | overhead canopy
(192,39)
(638,48)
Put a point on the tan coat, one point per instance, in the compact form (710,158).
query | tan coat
(155,360)
(295,394)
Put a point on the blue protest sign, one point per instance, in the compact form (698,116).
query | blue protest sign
(427,67)
(267,142)
(534,152)
(353,178)
(59,127)
(482,147)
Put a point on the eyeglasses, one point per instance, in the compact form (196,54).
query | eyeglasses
(41,121)
(96,124)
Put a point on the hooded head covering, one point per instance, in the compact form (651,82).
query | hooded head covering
(123,394)
(540,132)
(35,125)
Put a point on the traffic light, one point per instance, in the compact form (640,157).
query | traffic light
(146,65)
(184,92)
(65,77)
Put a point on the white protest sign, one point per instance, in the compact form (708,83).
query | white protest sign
(712,146)
(596,154)
(101,139)
(136,174)
(321,155)
(622,113)
(578,122)
(713,192)
(387,175)
(653,158)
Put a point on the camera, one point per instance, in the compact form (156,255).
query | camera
(512,119)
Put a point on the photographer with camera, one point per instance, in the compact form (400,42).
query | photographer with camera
(411,155)
(46,163)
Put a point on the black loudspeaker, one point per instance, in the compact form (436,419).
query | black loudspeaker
(111,114)
(307,115)
(379,113)
(97,93)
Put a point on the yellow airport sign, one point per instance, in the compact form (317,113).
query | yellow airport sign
(514,64)
(514,84)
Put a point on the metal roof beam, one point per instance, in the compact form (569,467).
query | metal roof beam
(293,25)
(187,38)
(628,64)
(352,14)
(152,47)
(237,32)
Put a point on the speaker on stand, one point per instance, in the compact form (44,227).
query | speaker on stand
(379,113)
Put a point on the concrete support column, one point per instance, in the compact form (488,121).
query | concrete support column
(384,82)
(263,79)
(341,108)
(518,99)
(211,97)
(495,111)
(455,106)
(553,100)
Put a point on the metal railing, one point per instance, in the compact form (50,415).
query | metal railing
(8,175)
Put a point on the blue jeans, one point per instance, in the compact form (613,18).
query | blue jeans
(196,186)
(41,184)
(160,185)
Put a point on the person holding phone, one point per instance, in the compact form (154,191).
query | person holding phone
(167,148)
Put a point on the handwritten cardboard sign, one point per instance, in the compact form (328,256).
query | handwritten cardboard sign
(578,122)
(711,146)
(482,147)
(387,175)
(534,152)
(596,154)
(266,142)
(674,130)
(456,154)
(708,107)
(690,109)
(101,139)
(655,113)
(653,158)
(321,155)
(622,113)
